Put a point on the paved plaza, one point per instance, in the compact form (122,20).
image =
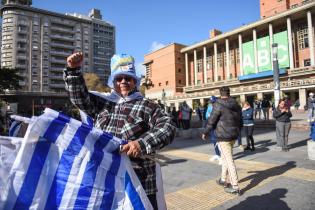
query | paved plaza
(269,179)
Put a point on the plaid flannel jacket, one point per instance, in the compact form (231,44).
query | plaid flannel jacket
(141,120)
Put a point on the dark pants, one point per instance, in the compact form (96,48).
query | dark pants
(153,201)
(248,130)
(213,139)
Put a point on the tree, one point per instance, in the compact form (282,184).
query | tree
(93,82)
(9,79)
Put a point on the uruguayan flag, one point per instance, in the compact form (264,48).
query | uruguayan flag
(66,164)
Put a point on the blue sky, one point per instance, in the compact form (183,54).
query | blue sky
(146,25)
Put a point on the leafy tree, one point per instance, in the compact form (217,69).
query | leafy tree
(93,82)
(9,79)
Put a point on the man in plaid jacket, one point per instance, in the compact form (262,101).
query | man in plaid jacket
(125,113)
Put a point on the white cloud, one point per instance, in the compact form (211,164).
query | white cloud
(155,46)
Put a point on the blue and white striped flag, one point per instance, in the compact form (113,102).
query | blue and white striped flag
(66,164)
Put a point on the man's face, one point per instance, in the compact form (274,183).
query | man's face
(124,84)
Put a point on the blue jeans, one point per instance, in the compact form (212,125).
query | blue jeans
(239,139)
(213,139)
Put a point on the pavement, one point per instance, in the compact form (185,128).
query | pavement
(269,178)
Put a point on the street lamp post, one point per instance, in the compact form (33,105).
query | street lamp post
(275,66)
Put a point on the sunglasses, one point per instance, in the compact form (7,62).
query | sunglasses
(126,78)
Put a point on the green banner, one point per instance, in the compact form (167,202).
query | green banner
(283,49)
(264,62)
(263,54)
(248,58)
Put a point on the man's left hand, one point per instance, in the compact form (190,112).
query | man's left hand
(132,149)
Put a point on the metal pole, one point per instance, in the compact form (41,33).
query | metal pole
(276,79)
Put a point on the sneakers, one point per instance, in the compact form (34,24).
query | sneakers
(232,191)
(214,157)
(221,183)
(241,147)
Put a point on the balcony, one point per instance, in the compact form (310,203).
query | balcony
(57,69)
(67,38)
(62,45)
(301,71)
(57,86)
(211,85)
(62,53)
(55,77)
(65,30)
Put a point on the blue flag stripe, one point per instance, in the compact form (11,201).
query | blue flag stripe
(88,180)
(64,168)
(109,191)
(56,127)
(133,194)
(25,197)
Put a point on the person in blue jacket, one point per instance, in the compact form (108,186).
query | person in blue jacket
(213,137)
(248,125)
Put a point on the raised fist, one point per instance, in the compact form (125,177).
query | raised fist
(75,60)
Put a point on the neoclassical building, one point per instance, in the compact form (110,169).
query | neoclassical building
(242,58)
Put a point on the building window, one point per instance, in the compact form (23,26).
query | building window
(220,59)
(294,6)
(179,81)
(199,65)
(219,78)
(198,82)
(179,70)
(209,62)
(166,83)
(209,80)
(178,58)
(160,84)
(307,62)
(237,52)
(302,36)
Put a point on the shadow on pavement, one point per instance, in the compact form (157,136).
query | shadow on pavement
(260,147)
(299,144)
(268,201)
(164,161)
(259,176)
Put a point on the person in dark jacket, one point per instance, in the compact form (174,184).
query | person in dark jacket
(248,125)
(283,124)
(225,120)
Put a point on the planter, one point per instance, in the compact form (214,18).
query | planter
(311,149)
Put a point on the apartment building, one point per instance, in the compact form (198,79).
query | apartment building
(242,58)
(38,41)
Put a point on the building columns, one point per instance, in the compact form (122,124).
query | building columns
(271,41)
(290,43)
(215,62)
(240,50)
(195,66)
(186,69)
(242,98)
(205,65)
(255,50)
(302,98)
(227,53)
(310,37)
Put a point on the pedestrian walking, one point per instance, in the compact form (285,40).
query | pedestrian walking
(248,125)
(213,137)
(310,107)
(126,114)
(174,114)
(265,106)
(257,109)
(225,119)
(186,115)
(283,125)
